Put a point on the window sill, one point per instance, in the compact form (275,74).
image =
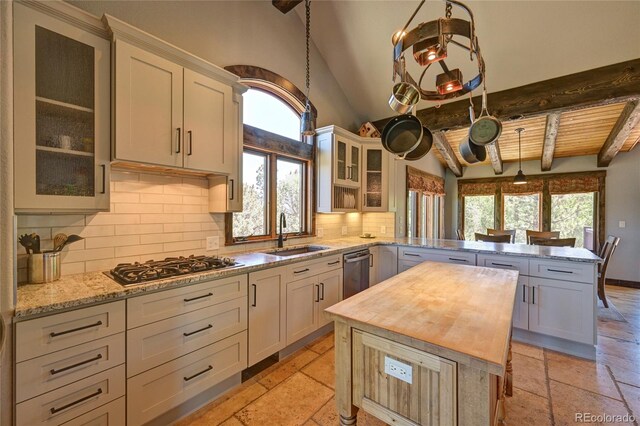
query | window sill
(267,239)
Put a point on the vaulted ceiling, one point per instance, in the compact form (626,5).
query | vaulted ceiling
(522,42)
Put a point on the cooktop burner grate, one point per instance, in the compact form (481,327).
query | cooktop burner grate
(135,273)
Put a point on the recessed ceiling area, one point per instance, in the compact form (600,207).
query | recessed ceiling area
(581,132)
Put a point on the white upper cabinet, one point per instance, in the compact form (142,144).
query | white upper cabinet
(208,123)
(354,173)
(148,107)
(174,109)
(62,104)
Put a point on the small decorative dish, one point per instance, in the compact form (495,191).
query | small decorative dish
(367,236)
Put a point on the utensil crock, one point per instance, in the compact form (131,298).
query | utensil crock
(43,267)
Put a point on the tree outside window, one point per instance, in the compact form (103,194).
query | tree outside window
(478,215)
(573,215)
(521,212)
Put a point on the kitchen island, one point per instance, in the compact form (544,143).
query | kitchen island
(428,346)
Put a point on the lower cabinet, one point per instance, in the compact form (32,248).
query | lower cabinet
(306,301)
(562,309)
(383,264)
(158,390)
(521,306)
(267,313)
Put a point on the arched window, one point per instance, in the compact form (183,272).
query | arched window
(276,164)
(268,112)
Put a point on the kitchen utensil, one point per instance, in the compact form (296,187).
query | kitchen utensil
(43,267)
(26,241)
(36,242)
(471,152)
(423,147)
(404,96)
(59,240)
(402,134)
(70,239)
(485,129)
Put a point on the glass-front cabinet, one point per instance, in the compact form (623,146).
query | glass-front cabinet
(62,102)
(375,178)
(347,162)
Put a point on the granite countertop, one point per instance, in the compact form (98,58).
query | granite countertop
(95,287)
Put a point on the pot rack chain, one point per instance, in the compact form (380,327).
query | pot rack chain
(307,4)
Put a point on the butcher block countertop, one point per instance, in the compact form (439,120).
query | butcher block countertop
(464,310)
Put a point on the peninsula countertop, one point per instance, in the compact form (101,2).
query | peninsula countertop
(464,310)
(96,287)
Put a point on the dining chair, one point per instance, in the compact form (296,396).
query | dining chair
(608,249)
(542,234)
(460,234)
(493,238)
(556,242)
(511,232)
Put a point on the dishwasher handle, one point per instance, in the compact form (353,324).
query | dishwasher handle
(357,259)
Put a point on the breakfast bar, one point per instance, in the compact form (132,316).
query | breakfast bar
(428,346)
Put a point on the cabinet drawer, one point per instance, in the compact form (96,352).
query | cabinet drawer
(111,414)
(162,388)
(71,401)
(445,256)
(566,271)
(403,265)
(56,332)
(162,341)
(46,373)
(313,267)
(520,264)
(162,305)
(428,398)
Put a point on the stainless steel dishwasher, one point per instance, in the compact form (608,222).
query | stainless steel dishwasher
(356,272)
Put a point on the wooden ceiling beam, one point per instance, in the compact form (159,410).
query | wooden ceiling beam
(443,146)
(600,86)
(493,150)
(549,145)
(285,6)
(628,119)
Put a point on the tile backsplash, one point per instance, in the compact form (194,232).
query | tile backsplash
(153,216)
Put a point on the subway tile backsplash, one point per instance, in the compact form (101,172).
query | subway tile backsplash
(154,216)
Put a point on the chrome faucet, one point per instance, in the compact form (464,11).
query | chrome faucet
(281,237)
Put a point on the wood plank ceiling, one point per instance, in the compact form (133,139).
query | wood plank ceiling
(580,132)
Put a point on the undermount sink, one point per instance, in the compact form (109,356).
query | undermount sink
(283,252)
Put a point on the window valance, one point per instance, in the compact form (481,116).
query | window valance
(417,180)
(532,185)
(573,184)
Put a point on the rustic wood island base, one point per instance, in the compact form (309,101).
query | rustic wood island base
(430,346)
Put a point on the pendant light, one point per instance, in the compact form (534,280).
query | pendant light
(520,178)
(307,127)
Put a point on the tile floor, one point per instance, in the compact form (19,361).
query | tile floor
(549,387)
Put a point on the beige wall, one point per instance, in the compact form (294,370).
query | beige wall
(239,32)
(622,202)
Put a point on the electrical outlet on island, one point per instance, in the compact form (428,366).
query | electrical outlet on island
(212,243)
(383,229)
(344,230)
(320,232)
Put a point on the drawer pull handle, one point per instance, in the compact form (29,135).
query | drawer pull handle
(317,293)
(209,368)
(55,410)
(73,330)
(198,297)
(78,364)
(533,298)
(502,264)
(198,331)
(412,254)
(333,263)
(457,259)
(322,291)
(524,292)
(559,270)
(301,271)
(255,295)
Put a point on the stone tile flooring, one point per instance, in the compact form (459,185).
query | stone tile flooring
(549,387)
